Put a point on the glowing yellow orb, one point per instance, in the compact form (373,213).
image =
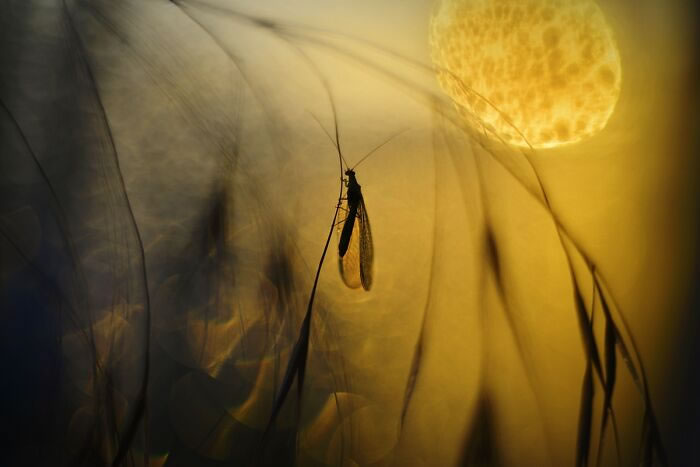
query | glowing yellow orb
(549,68)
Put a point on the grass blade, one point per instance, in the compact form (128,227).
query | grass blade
(586,329)
(619,342)
(295,367)
(494,260)
(479,449)
(585,417)
(413,375)
(610,364)
(610,377)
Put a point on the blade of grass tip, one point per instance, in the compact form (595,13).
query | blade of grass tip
(585,417)
(479,449)
(610,360)
(494,260)
(413,374)
(295,367)
(619,342)
(610,377)
(587,333)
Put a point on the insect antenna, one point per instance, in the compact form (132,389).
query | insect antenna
(378,147)
(324,129)
(333,141)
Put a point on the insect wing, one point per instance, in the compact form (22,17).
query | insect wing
(349,263)
(366,246)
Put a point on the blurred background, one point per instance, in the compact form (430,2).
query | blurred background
(166,192)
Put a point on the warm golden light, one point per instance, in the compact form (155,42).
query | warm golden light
(551,69)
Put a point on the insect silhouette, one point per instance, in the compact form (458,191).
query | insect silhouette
(355,245)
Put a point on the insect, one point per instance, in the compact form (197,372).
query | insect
(355,246)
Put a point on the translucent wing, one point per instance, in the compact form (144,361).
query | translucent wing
(366,246)
(356,265)
(349,263)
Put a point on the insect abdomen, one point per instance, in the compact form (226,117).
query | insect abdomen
(347,230)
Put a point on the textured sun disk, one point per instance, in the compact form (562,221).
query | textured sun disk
(543,69)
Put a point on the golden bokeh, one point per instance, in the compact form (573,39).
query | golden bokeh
(548,71)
